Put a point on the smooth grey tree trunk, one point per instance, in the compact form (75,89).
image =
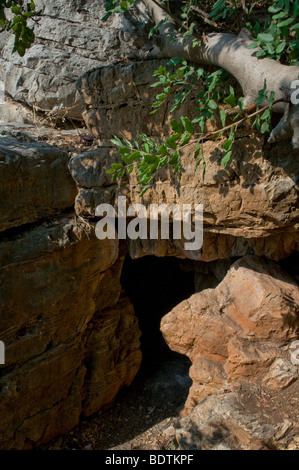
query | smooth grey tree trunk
(231,53)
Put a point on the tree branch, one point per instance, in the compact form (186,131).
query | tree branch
(231,53)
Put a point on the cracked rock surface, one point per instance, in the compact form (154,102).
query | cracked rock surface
(70,40)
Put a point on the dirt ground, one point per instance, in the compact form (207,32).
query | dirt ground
(143,415)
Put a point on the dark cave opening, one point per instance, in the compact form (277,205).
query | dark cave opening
(155,286)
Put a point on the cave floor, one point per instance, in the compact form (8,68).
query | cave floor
(143,416)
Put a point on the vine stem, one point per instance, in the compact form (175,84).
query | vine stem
(236,124)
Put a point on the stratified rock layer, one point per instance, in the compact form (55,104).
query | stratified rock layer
(71,336)
(251,206)
(35,182)
(70,40)
(236,335)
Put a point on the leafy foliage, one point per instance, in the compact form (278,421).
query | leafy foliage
(148,156)
(217,100)
(117,6)
(21,12)
(279,39)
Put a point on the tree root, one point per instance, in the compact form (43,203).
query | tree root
(231,53)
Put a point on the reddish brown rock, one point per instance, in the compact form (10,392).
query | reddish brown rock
(250,207)
(35,181)
(238,332)
(71,342)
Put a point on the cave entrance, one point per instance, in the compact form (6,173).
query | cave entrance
(155,286)
(151,403)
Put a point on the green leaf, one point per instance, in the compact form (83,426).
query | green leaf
(274,9)
(284,23)
(171,141)
(117,166)
(272,98)
(116,141)
(187,124)
(265,127)
(231,100)
(228,144)
(260,99)
(163,150)
(256,123)
(163,161)
(134,156)
(185,138)
(161,97)
(150,159)
(266,114)
(144,190)
(16,10)
(280,15)
(212,104)
(124,5)
(253,45)
(106,16)
(226,158)
(176,126)
(124,150)
(241,103)
(280,47)
(173,161)
(265,37)
(261,54)
(223,117)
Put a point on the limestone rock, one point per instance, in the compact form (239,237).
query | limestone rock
(35,181)
(251,207)
(71,341)
(238,332)
(70,40)
(222,422)
(117,100)
(281,374)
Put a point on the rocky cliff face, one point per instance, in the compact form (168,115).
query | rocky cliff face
(71,336)
(70,40)
(249,207)
(237,335)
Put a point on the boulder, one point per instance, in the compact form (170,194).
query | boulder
(71,339)
(35,181)
(227,422)
(239,332)
(71,336)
